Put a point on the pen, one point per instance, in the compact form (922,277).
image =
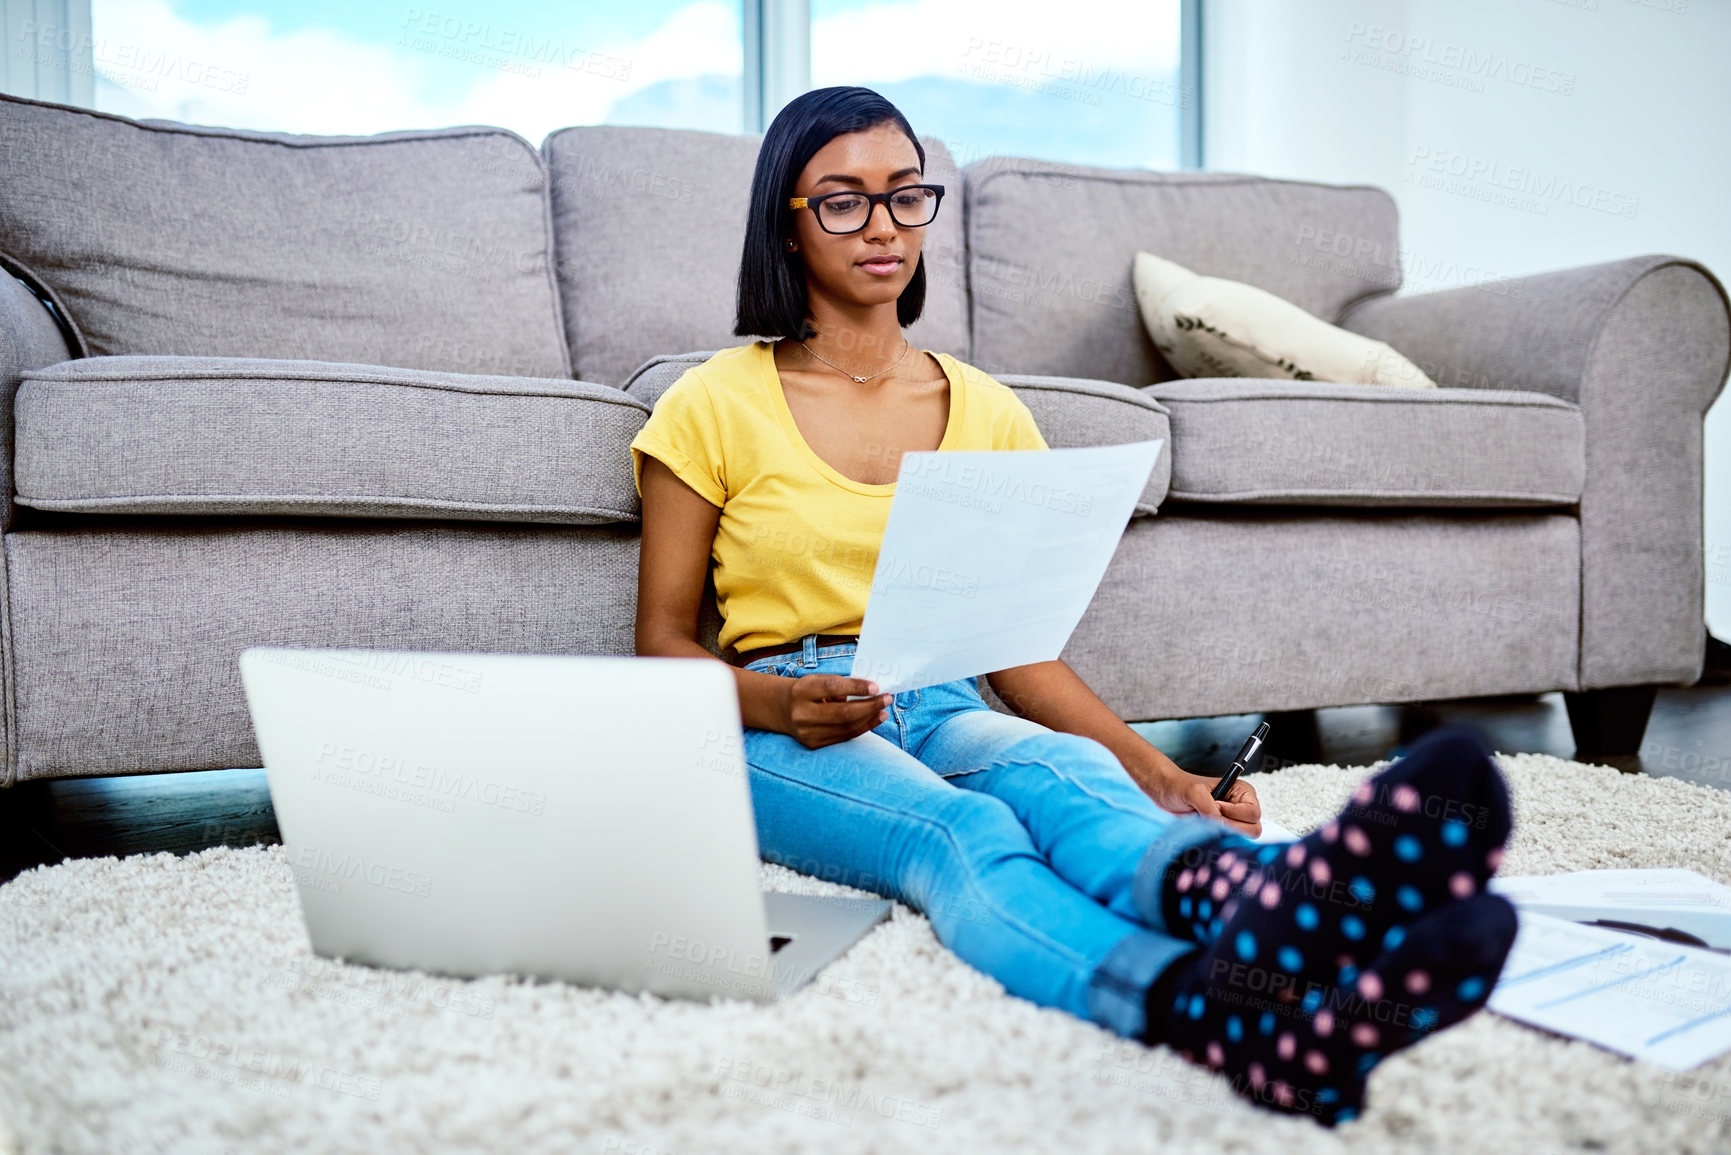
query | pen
(1239,764)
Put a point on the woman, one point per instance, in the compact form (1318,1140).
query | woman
(1054,849)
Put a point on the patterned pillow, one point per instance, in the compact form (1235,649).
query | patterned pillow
(1210,327)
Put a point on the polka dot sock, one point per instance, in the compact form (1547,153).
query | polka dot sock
(1288,927)
(1312,1056)
(1426,831)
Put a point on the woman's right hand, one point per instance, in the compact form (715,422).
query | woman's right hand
(818,713)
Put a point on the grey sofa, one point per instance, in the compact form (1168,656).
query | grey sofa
(260,388)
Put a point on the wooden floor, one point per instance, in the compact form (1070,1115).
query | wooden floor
(1689,737)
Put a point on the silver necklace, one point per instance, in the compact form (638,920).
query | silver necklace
(862,380)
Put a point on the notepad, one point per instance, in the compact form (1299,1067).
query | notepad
(1273,831)
(1669,1005)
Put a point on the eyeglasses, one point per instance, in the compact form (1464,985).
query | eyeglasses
(847,211)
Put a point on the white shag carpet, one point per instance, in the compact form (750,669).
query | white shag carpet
(164,1004)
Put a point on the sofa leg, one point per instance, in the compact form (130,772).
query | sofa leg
(1609,722)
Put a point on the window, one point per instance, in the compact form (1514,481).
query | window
(1085,81)
(336,67)
(1082,81)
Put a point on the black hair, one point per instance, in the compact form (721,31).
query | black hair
(772,297)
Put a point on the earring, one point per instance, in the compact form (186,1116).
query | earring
(790,243)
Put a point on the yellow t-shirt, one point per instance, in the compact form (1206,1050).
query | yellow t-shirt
(797,544)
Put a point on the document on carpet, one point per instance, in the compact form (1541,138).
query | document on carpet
(1641,997)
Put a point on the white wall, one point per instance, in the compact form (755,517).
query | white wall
(1628,98)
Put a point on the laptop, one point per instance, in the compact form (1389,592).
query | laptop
(578,818)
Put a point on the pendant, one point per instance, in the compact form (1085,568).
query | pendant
(861,380)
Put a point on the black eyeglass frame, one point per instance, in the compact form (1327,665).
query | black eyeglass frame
(873,200)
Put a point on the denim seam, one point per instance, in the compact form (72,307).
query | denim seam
(1057,948)
(965,773)
(1071,779)
(999,761)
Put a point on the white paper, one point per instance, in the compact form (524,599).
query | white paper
(1273,831)
(990,557)
(1669,1005)
(1663,899)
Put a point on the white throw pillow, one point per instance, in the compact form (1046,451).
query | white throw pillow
(1210,327)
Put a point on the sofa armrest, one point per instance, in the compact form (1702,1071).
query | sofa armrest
(1642,345)
(30,338)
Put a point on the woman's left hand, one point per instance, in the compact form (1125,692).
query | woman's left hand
(1184,793)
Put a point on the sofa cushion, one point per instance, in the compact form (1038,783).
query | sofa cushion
(1050,246)
(649,224)
(1309,443)
(430,250)
(1070,412)
(219,435)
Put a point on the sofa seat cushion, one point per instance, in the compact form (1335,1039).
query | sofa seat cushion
(1071,412)
(1253,441)
(234,435)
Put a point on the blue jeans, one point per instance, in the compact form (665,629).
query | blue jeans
(1034,854)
